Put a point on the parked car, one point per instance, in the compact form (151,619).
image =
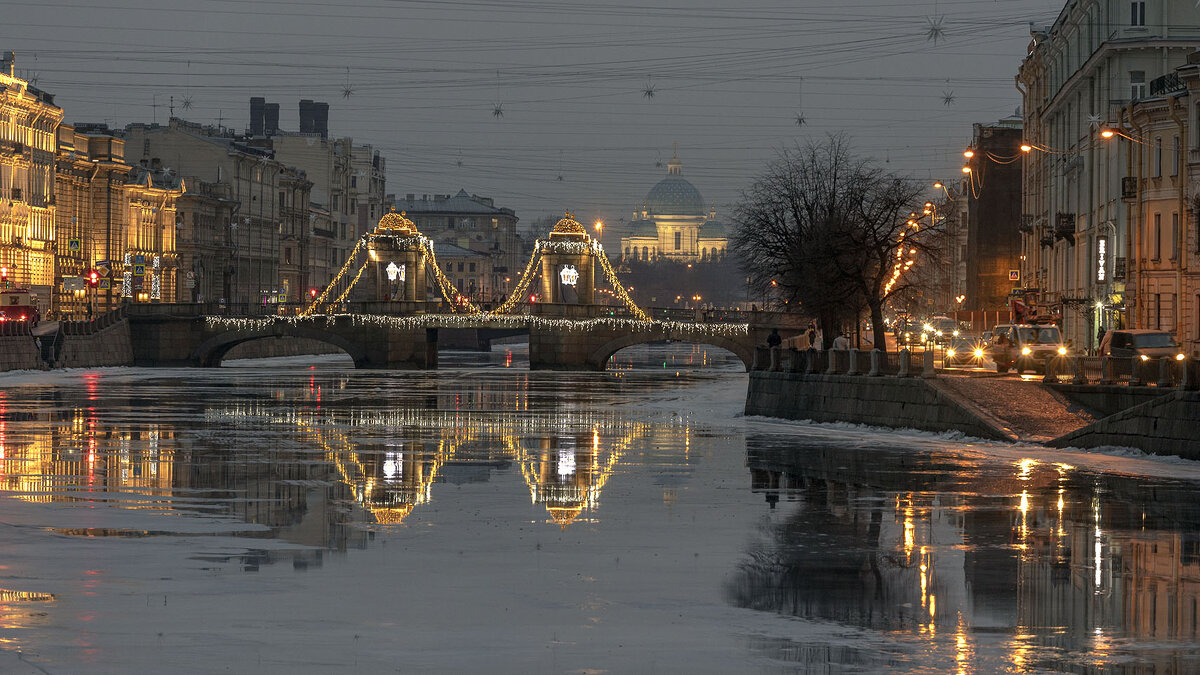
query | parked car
(1025,347)
(1148,344)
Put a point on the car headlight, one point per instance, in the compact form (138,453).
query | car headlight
(955,333)
(949,352)
(1179,357)
(1062,351)
(924,337)
(1145,358)
(1025,351)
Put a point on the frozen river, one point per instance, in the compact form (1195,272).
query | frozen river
(274,516)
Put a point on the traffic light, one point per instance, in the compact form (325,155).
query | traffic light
(3,277)
(312,293)
(93,278)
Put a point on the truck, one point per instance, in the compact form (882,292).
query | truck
(18,304)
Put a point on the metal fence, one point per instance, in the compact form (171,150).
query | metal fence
(1137,372)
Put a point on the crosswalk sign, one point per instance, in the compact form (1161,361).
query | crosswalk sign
(105,284)
(74,244)
(139,270)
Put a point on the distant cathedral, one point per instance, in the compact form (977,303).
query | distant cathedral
(673,224)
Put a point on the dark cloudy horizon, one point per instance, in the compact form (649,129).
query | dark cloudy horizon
(594,93)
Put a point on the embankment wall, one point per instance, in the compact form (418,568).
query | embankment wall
(881,401)
(1166,425)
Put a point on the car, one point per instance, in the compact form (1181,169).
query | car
(965,349)
(1148,344)
(1025,347)
(941,329)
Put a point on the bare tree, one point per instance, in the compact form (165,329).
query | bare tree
(827,230)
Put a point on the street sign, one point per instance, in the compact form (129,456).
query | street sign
(74,284)
(283,297)
(105,284)
(139,259)
(191,274)
(139,270)
(1014,275)
(102,269)
(75,245)
(189,283)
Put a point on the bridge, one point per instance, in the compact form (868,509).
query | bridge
(376,311)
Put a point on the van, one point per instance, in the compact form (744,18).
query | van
(1025,347)
(1148,344)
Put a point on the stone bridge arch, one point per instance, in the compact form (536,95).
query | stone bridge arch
(211,352)
(742,348)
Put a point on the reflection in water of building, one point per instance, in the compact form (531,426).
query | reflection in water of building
(1066,563)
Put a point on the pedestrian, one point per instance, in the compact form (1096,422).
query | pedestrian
(774,340)
(811,334)
(841,342)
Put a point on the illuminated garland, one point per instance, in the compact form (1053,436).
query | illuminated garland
(677,330)
(518,292)
(613,281)
(320,299)
(448,291)
(350,287)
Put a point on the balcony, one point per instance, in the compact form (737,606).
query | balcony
(1064,227)
(1129,188)
(1026,224)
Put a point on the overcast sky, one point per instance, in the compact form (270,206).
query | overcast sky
(424,78)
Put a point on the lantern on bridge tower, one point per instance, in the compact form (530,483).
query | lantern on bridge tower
(396,268)
(568,264)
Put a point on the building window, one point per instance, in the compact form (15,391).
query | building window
(1157,157)
(1137,13)
(460,268)
(353,181)
(1137,84)
(1175,156)
(645,253)
(1174,236)
(678,240)
(287,256)
(1157,236)
(471,267)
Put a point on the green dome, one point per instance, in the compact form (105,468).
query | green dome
(712,230)
(644,228)
(674,196)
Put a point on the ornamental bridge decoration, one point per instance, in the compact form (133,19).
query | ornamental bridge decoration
(375,310)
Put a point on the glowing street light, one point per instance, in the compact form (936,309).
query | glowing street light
(1107,133)
(968,153)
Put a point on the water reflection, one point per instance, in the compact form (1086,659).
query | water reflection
(1066,569)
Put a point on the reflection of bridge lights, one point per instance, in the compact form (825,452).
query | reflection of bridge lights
(1026,466)
(566,463)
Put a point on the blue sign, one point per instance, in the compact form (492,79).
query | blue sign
(139,270)
(139,259)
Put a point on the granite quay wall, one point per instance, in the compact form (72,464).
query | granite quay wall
(1165,425)
(18,350)
(880,401)
(280,346)
(92,344)
(1109,399)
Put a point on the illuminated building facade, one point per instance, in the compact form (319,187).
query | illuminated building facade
(1163,271)
(119,220)
(674,224)
(1080,75)
(28,123)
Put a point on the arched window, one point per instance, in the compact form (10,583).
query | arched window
(645,253)
(704,254)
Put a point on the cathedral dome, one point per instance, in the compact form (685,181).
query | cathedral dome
(674,196)
(712,230)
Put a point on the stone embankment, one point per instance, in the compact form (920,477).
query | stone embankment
(906,391)
(18,349)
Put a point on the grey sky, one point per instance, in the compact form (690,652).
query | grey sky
(728,81)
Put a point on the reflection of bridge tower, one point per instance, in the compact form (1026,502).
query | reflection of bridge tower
(391,483)
(396,263)
(566,474)
(568,265)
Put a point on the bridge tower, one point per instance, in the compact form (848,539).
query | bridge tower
(568,265)
(395,270)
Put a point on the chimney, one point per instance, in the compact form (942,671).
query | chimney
(9,63)
(321,118)
(257,112)
(306,116)
(271,120)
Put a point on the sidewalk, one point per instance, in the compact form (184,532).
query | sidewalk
(1031,411)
